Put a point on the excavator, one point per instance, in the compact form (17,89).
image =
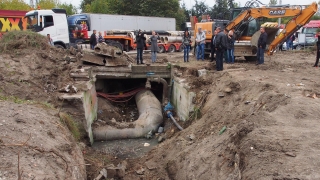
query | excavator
(245,24)
(301,15)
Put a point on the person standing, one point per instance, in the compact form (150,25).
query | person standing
(318,51)
(213,41)
(154,46)
(200,40)
(140,40)
(230,51)
(186,44)
(100,38)
(292,38)
(50,42)
(93,39)
(221,46)
(262,43)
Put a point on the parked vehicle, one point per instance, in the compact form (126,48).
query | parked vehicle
(310,29)
(12,20)
(53,22)
(310,42)
(120,30)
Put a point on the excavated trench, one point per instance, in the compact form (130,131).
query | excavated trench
(128,116)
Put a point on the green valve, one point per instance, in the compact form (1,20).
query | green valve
(222,130)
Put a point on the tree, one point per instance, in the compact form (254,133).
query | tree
(48,4)
(69,8)
(199,9)
(273,2)
(14,5)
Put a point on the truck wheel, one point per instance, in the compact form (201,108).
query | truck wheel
(58,46)
(172,48)
(116,44)
(181,48)
(250,58)
(161,48)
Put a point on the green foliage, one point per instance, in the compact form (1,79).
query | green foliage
(48,4)
(71,124)
(13,41)
(14,5)
(273,2)
(71,9)
(315,17)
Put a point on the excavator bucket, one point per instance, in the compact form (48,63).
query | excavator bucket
(271,29)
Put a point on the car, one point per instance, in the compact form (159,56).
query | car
(310,42)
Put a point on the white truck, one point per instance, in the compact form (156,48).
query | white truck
(53,22)
(106,22)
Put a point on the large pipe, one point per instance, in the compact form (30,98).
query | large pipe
(173,39)
(149,120)
(165,88)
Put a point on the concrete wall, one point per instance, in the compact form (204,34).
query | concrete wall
(90,105)
(182,98)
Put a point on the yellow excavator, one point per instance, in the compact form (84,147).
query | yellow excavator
(245,24)
(300,16)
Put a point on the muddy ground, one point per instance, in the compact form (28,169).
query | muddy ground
(270,112)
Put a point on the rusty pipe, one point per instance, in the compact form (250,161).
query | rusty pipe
(165,88)
(150,117)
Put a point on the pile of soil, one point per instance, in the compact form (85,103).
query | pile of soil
(34,143)
(258,122)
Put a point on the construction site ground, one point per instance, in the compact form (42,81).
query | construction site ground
(270,113)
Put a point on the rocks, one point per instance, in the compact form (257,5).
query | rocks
(191,137)
(161,139)
(202,72)
(140,171)
(117,172)
(228,90)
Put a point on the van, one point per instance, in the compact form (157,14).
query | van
(310,29)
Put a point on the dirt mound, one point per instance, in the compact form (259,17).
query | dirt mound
(34,144)
(17,41)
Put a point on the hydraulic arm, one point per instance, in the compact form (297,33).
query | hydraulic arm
(300,17)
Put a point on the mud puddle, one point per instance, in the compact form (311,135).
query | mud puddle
(126,148)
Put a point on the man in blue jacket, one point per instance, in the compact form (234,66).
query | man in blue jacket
(262,43)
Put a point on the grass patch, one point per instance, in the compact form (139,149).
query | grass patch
(15,41)
(16,100)
(71,124)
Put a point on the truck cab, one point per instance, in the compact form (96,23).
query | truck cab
(53,22)
(310,29)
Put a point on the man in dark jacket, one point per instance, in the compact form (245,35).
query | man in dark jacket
(213,48)
(262,43)
(93,39)
(221,46)
(140,40)
(318,51)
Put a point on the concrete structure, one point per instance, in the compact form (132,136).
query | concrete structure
(182,98)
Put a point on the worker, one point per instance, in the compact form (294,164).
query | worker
(140,40)
(154,46)
(186,45)
(221,46)
(225,53)
(230,50)
(318,50)
(262,43)
(50,42)
(200,40)
(93,39)
(213,41)
(100,38)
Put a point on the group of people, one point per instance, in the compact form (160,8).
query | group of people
(95,39)
(222,46)
(141,44)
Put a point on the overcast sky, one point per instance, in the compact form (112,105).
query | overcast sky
(190,3)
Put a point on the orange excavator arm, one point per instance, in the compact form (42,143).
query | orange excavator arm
(300,17)
(293,25)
